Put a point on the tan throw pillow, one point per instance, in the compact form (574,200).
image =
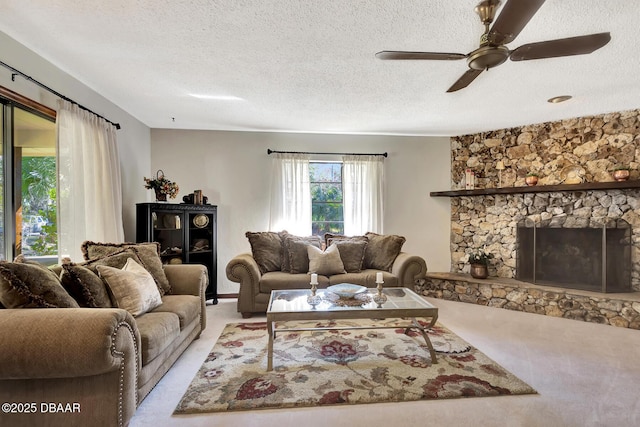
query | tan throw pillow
(132,287)
(326,263)
(266,248)
(26,285)
(85,286)
(382,251)
(148,257)
(297,249)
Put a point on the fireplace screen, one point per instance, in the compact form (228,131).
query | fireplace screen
(591,258)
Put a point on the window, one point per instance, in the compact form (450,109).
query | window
(28,181)
(327,215)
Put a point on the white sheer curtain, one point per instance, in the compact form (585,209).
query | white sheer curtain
(290,194)
(89,183)
(363,180)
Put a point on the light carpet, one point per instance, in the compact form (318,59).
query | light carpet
(314,368)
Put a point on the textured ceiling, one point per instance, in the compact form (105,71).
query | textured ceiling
(309,66)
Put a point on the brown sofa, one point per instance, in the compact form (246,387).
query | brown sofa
(93,366)
(261,271)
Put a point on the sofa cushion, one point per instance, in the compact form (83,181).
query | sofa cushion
(296,247)
(352,254)
(279,280)
(365,278)
(186,307)
(27,285)
(266,248)
(157,332)
(148,254)
(382,250)
(132,287)
(85,286)
(325,262)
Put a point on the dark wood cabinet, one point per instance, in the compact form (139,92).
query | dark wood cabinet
(186,233)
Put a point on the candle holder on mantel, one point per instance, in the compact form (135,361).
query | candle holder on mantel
(314,299)
(379,298)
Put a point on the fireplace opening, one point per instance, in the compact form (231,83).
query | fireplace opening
(588,258)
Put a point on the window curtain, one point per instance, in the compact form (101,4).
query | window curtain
(290,194)
(89,182)
(363,182)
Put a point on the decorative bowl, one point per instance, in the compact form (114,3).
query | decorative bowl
(346,290)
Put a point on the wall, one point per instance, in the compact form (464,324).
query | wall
(233,170)
(592,145)
(133,137)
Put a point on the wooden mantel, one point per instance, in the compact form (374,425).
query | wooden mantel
(614,185)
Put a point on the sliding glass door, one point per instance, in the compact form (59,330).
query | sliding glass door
(28,181)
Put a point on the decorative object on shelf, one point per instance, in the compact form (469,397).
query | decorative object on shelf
(200,245)
(572,174)
(191,199)
(500,167)
(470,179)
(201,220)
(479,261)
(313,299)
(162,186)
(379,298)
(621,173)
(531,179)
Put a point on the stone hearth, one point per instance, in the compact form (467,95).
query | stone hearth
(622,310)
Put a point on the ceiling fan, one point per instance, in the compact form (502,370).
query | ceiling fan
(493,52)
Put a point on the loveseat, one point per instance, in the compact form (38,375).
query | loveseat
(65,360)
(279,260)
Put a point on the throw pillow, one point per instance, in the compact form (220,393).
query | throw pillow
(85,286)
(132,286)
(352,254)
(297,250)
(326,263)
(266,248)
(382,250)
(329,238)
(148,256)
(25,285)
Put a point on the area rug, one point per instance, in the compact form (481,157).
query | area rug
(314,368)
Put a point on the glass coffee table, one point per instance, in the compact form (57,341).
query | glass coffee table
(402,303)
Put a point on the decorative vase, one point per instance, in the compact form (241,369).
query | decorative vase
(160,197)
(531,180)
(479,271)
(621,174)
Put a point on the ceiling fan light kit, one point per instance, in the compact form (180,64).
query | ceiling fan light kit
(492,51)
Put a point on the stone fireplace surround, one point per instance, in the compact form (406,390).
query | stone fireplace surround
(596,144)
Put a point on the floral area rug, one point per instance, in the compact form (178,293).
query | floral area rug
(314,368)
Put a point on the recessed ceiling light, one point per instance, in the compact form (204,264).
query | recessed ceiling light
(557,99)
(216,97)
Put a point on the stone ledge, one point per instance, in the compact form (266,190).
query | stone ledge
(622,310)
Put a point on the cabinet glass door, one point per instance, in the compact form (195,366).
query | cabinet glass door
(168,231)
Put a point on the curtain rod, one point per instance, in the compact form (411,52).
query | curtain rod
(15,73)
(269,151)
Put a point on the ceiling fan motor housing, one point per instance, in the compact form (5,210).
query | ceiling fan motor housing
(486,57)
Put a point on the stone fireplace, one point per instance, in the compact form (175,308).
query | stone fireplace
(493,220)
(588,258)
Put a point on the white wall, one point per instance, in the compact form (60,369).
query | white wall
(133,137)
(233,170)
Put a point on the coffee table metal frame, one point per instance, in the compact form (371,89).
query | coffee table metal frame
(402,304)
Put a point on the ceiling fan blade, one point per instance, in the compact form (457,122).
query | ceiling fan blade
(561,47)
(394,54)
(465,80)
(512,19)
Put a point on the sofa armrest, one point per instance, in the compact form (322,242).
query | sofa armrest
(409,268)
(244,269)
(189,279)
(65,342)
(88,356)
